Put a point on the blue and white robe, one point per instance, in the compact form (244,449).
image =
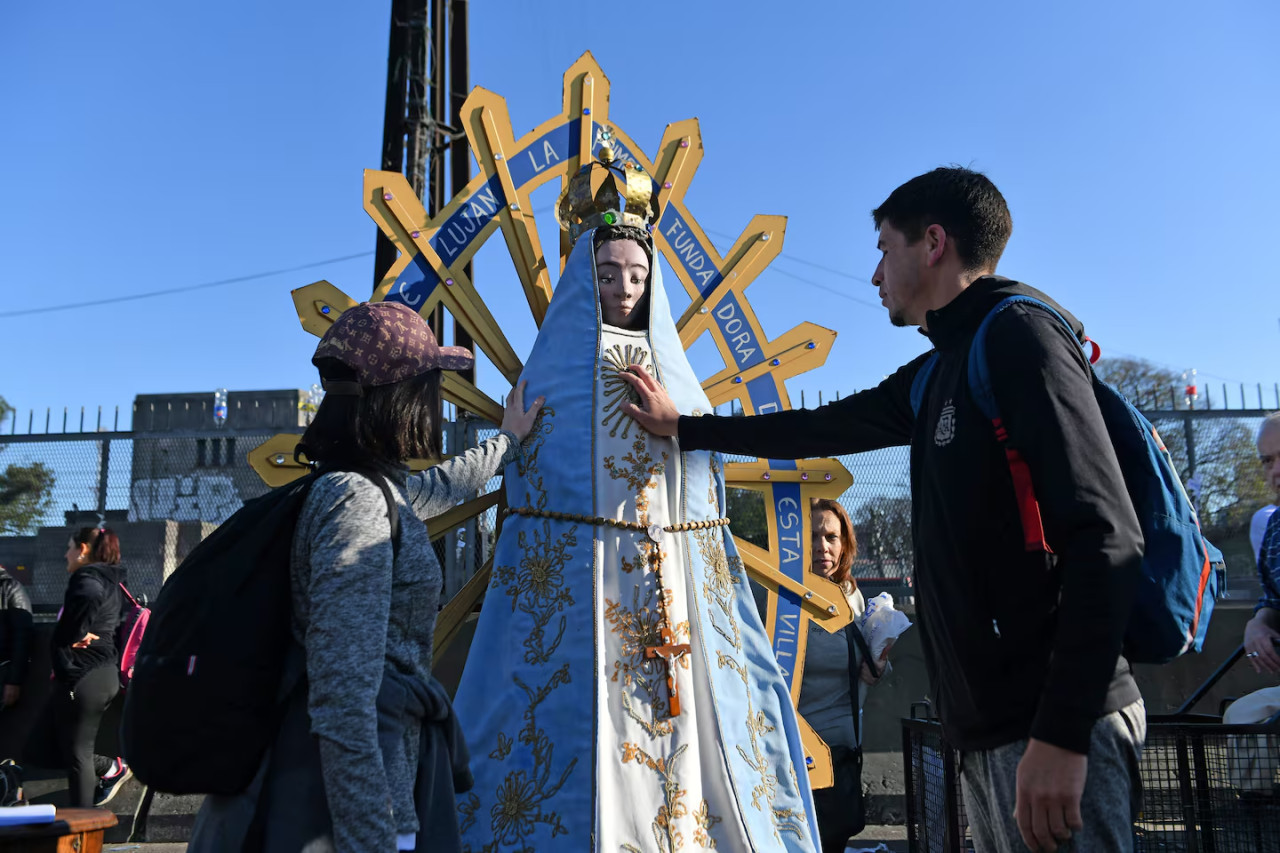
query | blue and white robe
(572,744)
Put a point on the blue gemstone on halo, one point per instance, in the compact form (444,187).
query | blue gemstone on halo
(324,310)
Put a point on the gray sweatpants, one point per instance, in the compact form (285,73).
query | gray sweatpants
(1112,789)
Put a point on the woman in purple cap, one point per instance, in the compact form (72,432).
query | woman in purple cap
(369,755)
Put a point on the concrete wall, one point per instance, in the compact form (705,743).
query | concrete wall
(185,476)
(18,555)
(149,553)
(264,410)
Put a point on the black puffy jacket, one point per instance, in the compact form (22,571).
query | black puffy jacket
(15,628)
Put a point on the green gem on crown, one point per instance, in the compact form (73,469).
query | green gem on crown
(610,218)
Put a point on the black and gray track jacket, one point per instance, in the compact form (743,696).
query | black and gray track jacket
(1017,643)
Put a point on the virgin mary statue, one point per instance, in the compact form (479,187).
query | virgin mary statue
(620,693)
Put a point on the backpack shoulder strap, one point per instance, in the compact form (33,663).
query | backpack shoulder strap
(920,383)
(393,513)
(128,595)
(980,367)
(979,371)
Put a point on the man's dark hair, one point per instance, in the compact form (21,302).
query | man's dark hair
(964,202)
(388,422)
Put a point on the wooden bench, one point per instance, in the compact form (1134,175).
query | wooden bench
(72,831)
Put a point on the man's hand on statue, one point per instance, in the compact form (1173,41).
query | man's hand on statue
(656,412)
(515,419)
(1259,645)
(1049,787)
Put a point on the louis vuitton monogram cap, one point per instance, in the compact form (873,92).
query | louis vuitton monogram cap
(384,343)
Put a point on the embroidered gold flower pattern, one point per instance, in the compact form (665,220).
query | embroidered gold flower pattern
(514,809)
(705,821)
(503,749)
(723,573)
(641,474)
(665,834)
(719,585)
(537,586)
(615,361)
(527,462)
(637,627)
(519,797)
(789,820)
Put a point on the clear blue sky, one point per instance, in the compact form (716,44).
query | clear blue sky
(151,145)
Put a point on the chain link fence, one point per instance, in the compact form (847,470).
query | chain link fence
(162,491)
(1214,450)
(189,481)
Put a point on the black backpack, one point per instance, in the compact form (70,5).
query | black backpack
(205,699)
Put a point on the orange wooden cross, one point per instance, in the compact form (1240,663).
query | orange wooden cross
(669,652)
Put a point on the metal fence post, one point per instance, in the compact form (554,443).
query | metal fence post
(453,578)
(104,465)
(1189,430)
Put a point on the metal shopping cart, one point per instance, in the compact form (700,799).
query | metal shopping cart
(1207,787)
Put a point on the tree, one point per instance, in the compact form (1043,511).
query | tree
(747,516)
(26,491)
(883,527)
(1224,449)
(1146,385)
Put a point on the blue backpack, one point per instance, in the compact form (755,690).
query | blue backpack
(1179,584)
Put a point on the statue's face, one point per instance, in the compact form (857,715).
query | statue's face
(622,270)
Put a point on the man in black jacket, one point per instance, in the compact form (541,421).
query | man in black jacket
(1022,634)
(15,637)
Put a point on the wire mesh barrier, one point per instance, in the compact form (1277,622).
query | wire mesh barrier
(935,820)
(1214,451)
(178,476)
(1207,788)
(176,467)
(465,551)
(162,492)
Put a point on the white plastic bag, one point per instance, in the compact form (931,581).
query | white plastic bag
(881,622)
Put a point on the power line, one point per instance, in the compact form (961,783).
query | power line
(795,258)
(799,260)
(831,290)
(208,284)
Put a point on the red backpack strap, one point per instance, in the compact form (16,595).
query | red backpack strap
(1025,494)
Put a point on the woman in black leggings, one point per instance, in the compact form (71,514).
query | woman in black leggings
(86,671)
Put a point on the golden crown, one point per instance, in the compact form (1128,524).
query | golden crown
(605,192)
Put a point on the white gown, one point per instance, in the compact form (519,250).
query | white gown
(661,786)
